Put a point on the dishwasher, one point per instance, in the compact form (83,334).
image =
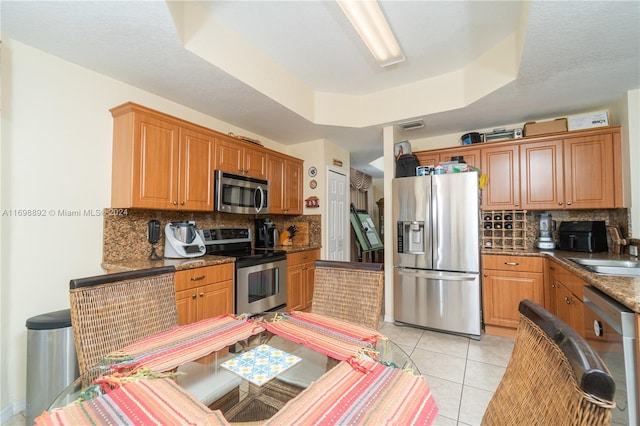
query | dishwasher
(610,330)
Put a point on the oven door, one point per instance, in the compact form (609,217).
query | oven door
(240,194)
(261,287)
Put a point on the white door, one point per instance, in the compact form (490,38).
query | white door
(337,215)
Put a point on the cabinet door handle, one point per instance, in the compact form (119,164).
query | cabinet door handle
(569,203)
(201,277)
(566,299)
(175,203)
(511,263)
(193,296)
(517,205)
(304,257)
(182,203)
(485,275)
(552,268)
(201,294)
(560,203)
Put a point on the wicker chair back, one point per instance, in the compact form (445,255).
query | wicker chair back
(111,311)
(553,377)
(350,291)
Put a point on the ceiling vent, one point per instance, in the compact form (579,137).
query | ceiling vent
(411,125)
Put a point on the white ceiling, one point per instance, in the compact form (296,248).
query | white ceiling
(576,57)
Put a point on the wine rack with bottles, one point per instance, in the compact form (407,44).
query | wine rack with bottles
(504,229)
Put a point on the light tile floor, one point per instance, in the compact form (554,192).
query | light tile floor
(462,373)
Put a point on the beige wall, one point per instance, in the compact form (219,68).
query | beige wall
(56,155)
(320,154)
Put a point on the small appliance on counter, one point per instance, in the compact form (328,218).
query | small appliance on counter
(589,236)
(182,240)
(266,233)
(545,241)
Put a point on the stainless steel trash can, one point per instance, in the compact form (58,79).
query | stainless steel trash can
(51,360)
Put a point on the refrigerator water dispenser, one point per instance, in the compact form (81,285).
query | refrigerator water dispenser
(411,237)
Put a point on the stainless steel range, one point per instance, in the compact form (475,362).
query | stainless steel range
(261,274)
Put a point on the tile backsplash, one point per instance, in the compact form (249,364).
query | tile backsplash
(125,235)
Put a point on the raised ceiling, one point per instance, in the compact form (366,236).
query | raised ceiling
(296,71)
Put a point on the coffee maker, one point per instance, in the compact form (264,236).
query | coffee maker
(545,241)
(266,233)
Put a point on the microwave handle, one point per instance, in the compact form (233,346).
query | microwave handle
(260,203)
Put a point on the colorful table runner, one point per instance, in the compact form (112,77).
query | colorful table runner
(332,337)
(165,351)
(379,395)
(145,402)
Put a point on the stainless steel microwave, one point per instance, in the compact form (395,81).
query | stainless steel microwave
(240,194)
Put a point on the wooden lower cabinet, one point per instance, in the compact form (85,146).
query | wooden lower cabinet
(204,292)
(506,280)
(300,276)
(564,296)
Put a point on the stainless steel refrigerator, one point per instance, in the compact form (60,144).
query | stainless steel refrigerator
(436,252)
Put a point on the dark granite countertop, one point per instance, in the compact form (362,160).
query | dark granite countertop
(181,264)
(625,290)
(178,264)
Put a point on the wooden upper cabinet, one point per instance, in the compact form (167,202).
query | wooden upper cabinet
(589,172)
(541,170)
(195,189)
(285,184)
(236,156)
(158,164)
(502,167)
(470,156)
(575,170)
(431,158)
(164,163)
(428,158)
(574,173)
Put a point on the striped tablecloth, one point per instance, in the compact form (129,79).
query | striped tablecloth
(380,395)
(332,337)
(145,402)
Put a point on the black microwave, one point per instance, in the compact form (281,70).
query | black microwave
(240,194)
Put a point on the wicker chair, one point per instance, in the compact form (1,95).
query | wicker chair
(350,291)
(111,311)
(553,377)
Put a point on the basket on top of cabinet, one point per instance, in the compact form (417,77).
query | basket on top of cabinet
(504,229)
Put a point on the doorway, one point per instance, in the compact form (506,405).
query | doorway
(337,214)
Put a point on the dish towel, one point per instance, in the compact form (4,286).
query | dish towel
(337,339)
(166,351)
(380,395)
(145,402)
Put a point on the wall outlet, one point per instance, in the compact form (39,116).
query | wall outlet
(633,251)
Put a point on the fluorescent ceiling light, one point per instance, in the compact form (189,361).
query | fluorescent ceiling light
(368,20)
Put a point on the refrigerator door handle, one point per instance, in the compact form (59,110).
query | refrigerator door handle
(437,276)
(435,229)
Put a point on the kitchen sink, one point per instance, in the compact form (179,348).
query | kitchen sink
(610,266)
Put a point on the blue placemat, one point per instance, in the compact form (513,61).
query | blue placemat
(261,364)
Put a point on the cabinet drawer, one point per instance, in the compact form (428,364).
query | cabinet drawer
(513,263)
(572,282)
(191,278)
(298,258)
